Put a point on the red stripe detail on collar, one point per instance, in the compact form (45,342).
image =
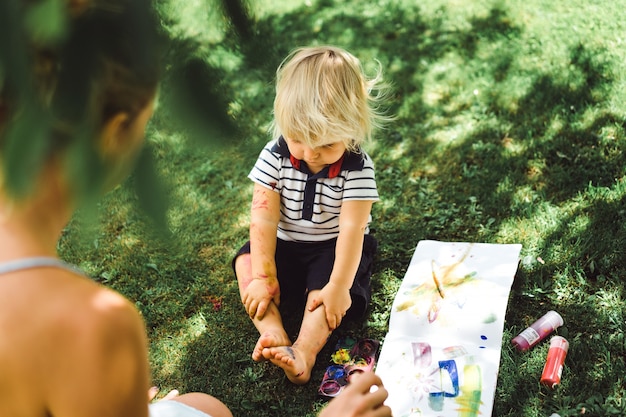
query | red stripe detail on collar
(295,162)
(335,168)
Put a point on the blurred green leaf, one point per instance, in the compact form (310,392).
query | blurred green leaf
(25,148)
(24,142)
(151,191)
(85,167)
(238,14)
(46,21)
(197,103)
(12,57)
(19,158)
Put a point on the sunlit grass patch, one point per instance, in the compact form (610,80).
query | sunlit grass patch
(169,349)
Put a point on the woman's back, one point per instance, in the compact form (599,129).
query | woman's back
(66,344)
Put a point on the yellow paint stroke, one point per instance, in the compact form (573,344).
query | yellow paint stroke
(471,391)
(446,278)
(437,283)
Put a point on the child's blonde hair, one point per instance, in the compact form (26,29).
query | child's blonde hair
(323,96)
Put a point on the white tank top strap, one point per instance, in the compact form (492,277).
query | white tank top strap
(36,262)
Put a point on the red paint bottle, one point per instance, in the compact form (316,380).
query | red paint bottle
(538,330)
(553,368)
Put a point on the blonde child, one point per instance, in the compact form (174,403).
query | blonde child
(314,187)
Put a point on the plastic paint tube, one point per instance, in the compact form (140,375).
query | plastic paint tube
(553,368)
(538,331)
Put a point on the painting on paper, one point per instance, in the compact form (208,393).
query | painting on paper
(442,352)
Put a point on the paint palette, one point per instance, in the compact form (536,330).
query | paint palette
(351,356)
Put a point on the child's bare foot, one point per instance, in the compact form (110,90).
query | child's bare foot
(291,361)
(268,340)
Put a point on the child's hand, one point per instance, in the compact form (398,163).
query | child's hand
(258,295)
(363,397)
(337,301)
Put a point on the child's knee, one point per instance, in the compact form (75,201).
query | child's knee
(243,266)
(311,295)
(243,270)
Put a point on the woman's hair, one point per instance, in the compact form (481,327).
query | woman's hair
(102,61)
(323,96)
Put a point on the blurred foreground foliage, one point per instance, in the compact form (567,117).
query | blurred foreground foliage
(197,104)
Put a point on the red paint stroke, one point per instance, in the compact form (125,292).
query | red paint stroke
(216,301)
(259,204)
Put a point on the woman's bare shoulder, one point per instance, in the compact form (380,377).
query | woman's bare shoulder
(71,336)
(95,311)
(63,311)
(105,353)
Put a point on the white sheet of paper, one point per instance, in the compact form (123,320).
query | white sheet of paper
(441,354)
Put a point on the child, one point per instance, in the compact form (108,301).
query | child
(313,193)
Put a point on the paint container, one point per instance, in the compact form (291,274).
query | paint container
(553,368)
(538,331)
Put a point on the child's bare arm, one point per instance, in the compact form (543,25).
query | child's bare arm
(263,289)
(336,294)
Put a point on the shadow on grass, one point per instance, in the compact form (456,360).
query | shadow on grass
(531,138)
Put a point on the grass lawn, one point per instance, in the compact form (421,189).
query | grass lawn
(509,129)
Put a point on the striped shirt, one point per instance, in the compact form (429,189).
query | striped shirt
(310,203)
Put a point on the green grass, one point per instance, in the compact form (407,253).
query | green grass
(510,129)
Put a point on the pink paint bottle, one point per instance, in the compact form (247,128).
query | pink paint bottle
(538,331)
(553,368)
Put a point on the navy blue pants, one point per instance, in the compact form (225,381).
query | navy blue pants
(306,266)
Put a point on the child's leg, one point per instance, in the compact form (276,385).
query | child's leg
(297,360)
(205,403)
(271,326)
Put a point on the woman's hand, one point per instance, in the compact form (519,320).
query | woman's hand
(364,396)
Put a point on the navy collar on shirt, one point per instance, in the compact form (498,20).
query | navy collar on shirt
(350,161)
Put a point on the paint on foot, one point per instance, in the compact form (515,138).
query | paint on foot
(291,361)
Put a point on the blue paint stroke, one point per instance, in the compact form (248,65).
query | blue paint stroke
(448,366)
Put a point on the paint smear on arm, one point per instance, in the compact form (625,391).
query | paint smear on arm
(259,200)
